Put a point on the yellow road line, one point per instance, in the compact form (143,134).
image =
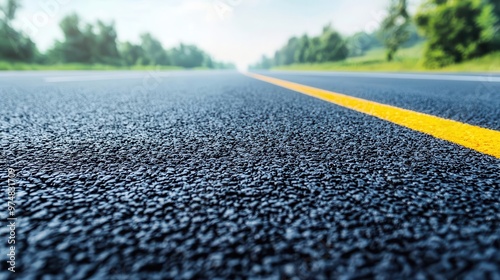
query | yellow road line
(483,140)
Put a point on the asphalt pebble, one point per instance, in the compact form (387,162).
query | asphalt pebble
(230,178)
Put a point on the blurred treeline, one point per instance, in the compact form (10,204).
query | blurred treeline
(453,31)
(95,44)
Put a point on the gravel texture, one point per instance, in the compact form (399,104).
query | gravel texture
(219,176)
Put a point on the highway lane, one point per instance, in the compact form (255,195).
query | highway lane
(469,98)
(203,175)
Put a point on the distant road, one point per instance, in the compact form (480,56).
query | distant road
(197,174)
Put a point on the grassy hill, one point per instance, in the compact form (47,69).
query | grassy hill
(408,59)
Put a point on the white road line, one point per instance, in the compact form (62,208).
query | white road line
(120,76)
(438,77)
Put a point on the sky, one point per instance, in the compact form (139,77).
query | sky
(238,31)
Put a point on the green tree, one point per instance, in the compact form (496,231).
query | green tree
(78,43)
(414,37)
(85,43)
(14,46)
(131,54)
(329,46)
(154,53)
(106,44)
(313,53)
(277,60)
(304,44)
(208,62)
(332,46)
(288,52)
(496,14)
(188,56)
(395,28)
(361,42)
(456,30)
(9,10)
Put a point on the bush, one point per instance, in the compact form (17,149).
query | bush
(456,30)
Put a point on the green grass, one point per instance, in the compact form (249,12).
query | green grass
(487,63)
(408,60)
(4,65)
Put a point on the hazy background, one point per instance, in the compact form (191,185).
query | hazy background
(342,35)
(238,31)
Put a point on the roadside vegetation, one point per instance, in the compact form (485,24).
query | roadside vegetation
(444,35)
(407,59)
(92,46)
(5,65)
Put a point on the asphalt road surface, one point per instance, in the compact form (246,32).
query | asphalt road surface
(216,175)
